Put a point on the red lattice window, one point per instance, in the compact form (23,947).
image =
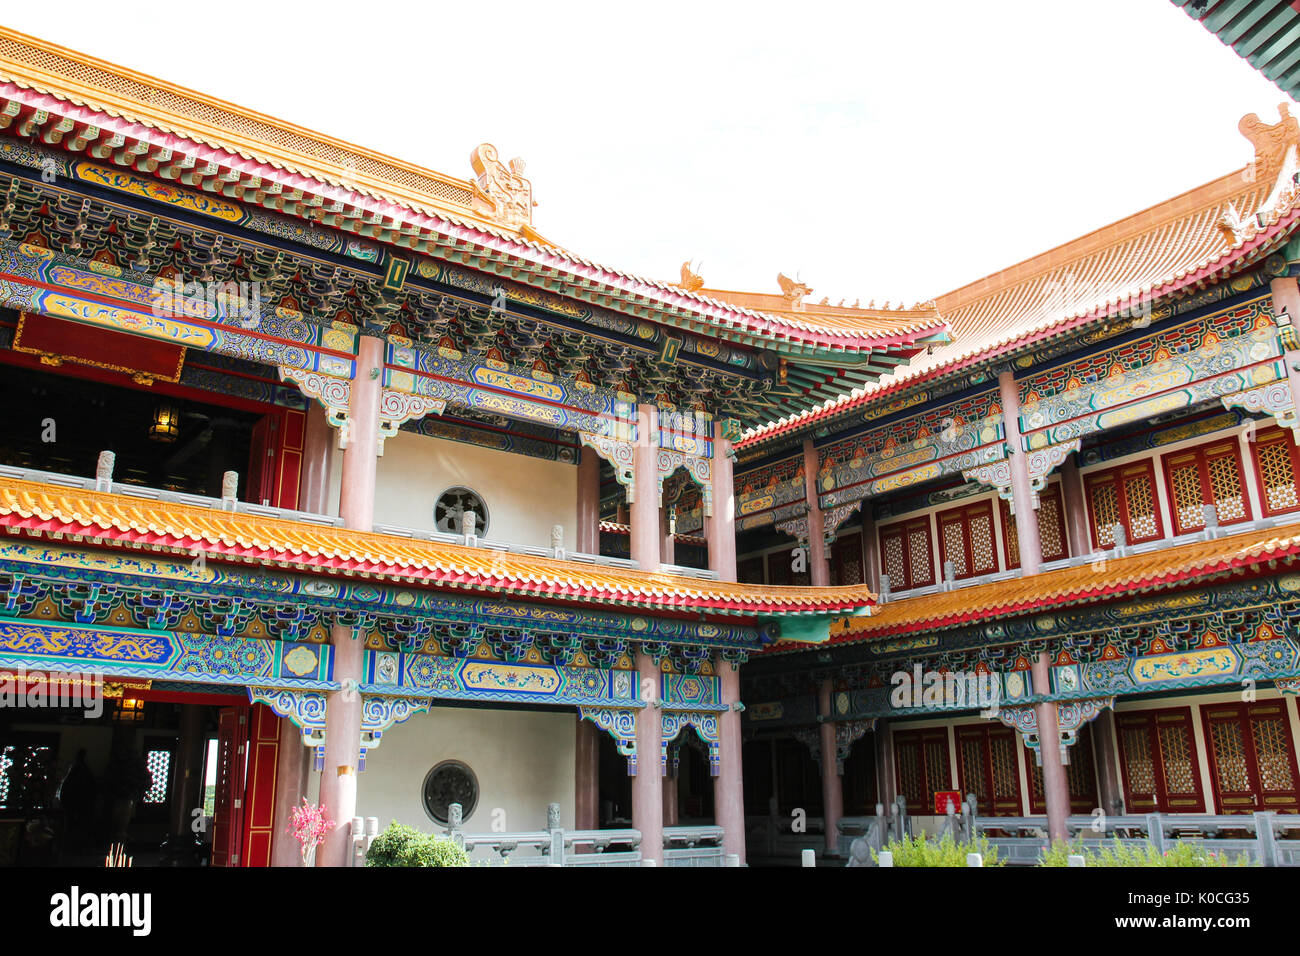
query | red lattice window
(1252,757)
(846,560)
(1080,777)
(966,539)
(1157,755)
(988,765)
(1209,474)
(906,554)
(1051,529)
(1125,495)
(780,568)
(923,767)
(1277,463)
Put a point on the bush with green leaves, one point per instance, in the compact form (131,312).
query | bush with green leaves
(402,845)
(1142,853)
(920,850)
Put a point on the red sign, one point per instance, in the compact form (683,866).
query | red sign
(944,797)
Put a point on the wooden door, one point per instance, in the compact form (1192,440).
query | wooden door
(228,813)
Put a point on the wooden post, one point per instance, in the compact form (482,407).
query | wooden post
(819,567)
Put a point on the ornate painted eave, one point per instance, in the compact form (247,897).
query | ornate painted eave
(1105,579)
(99,517)
(67,100)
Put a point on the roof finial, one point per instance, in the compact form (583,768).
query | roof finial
(501,192)
(1271,142)
(793,291)
(691,281)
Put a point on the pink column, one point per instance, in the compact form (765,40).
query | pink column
(886,780)
(338,787)
(728,785)
(670,796)
(647,785)
(588,536)
(668,546)
(1286,297)
(1056,789)
(832,785)
(870,549)
(586,788)
(292,766)
(317,457)
(818,566)
(1031,548)
(1076,509)
(721,528)
(644,517)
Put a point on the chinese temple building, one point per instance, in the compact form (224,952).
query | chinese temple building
(330,477)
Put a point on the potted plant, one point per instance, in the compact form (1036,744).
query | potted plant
(310,825)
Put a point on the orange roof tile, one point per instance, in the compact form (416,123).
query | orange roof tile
(1134,260)
(1103,580)
(45,510)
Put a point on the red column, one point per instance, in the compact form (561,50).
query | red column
(587,539)
(1076,510)
(818,567)
(587,776)
(728,785)
(644,516)
(338,787)
(647,786)
(1056,789)
(832,785)
(1031,549)
(317,456)
(721,530)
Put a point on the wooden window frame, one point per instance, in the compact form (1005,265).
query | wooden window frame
(963,514)
(1242,713)
(1117,474)
(904,529)
(996,806)
(1162,795)
(919,739)
(851,541)
(1273,436)
(1201,455)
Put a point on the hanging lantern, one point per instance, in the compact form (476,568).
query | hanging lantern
(166,424)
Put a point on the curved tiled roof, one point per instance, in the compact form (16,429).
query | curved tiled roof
(1110,579)
(1124,265)
(364,192)
(100,517)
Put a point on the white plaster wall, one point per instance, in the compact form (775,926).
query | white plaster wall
(523,760)
(524,496)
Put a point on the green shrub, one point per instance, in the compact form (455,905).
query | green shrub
(1142,853)
(402,845)
(919,850)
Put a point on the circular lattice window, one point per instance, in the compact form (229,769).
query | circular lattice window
(450,782)
(452,505)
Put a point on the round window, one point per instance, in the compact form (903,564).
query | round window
(450,782)
(450,509)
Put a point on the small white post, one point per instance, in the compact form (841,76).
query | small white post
(733,859)
(974,859)
(808,858)
(648,863)
(1077,860)
(886,858)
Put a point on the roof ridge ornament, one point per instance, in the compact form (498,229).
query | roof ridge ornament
(1272,142)
(501,192)
(691,281)
(793,291)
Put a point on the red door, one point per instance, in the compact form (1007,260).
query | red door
(275,459)
(228,814)
(259,789)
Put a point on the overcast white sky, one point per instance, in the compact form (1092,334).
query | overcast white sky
(882,150)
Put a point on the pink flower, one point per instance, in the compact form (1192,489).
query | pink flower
(309,825)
